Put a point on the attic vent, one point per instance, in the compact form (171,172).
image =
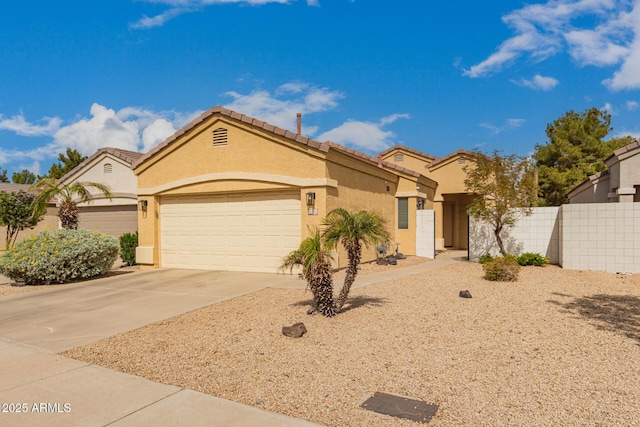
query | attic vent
(398,158)
(220,137)
(461,161)
(108,168)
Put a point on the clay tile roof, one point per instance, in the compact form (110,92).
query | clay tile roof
(128,156)
(451,155)
(629,147)
(322,146)
(408,149)
(6,187)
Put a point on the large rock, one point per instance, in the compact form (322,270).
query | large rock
(294,331)
(465,294)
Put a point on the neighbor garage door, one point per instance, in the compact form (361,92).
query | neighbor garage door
(112,220)
(237,232)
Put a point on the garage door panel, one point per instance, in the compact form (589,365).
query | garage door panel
(113,220)
(242,232)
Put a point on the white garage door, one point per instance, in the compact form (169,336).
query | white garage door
(236,232)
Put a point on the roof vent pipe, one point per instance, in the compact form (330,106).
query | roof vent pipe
(299,116)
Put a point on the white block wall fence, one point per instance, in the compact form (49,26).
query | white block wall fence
(426,233)
(589,236)
(601,236)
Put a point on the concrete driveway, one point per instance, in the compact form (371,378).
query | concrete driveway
(72,315)
(41,388)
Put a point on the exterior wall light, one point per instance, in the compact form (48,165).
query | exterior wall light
(311,198)
(142,204)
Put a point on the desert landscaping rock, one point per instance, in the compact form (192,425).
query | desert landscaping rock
(555,348)
(297,330)
(465,294)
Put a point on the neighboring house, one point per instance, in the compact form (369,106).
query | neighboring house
(451,198)
(231,192)
(49,222)
(112,167)
(619,183)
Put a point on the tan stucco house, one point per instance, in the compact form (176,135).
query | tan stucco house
(620,182)
(112,167)
(231,192)
(451,198)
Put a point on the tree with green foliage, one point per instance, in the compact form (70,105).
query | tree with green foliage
(504,189)
(576,149)
(24,177)
(68,196)
(17,213)
(315,260)
(66,163)
(352,230)
(3,176)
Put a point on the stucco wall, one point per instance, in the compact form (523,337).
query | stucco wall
(425,234)
(538,233)
(121,181)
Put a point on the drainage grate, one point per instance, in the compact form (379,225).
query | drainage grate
(400,407)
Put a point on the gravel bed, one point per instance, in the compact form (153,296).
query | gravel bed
(558,347)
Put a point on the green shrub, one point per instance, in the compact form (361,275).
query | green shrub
(128,244)
(502,269)
(530,258)
(485,258)
(59,256)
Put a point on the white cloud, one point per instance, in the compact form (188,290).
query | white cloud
(130,128)
(538,82)
(364,136)
(18,124)
(179,7)
(632,105)
(280,112)
(507,125)
(542,30)
(34,167)
(608,108)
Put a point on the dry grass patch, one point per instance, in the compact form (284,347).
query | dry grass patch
(558,347)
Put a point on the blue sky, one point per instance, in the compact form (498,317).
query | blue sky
(436,76)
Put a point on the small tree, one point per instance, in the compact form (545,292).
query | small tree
(352,230)
(68,195)
(24,177)
(504,188)
(315,261)
(3,176)
(17,213)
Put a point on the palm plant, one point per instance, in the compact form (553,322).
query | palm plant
(352,230)
(315,261)
(68,195)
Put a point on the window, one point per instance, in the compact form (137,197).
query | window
(398,158)
(108,168)
(220,137)
(403,213)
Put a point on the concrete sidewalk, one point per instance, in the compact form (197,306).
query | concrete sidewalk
(51,390)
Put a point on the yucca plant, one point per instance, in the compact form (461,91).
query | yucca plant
(315,261)
(68,195)
(352,230)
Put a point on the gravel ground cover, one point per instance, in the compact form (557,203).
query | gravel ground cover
(558,347)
